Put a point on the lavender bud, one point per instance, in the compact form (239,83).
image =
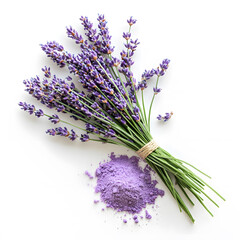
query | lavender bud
(54,119)
(39,113)
(131,21)
(84,138)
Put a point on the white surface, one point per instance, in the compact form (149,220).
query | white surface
(44,192)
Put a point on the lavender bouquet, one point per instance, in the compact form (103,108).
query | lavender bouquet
(109,105)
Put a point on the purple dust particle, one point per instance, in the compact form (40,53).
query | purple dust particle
(96,201)
(88,174)
(148,216)
(124,186)
(125,220)
(161,193)
(135,218)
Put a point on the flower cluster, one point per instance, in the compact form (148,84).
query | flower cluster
(166,117)
(31,109)
(62,132)
(108,103)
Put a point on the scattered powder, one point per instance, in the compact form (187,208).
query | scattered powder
(147,215)
(96,201)
(135,218)
(88,174)
(124,186)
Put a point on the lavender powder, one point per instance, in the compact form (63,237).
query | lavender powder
(88,174)
(124,186)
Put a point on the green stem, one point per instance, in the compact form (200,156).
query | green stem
(144,110)
(150,108)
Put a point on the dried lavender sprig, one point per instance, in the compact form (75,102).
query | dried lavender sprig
(60,131)
(127,36)
(158,72)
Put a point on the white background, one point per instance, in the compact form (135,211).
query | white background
(44,193)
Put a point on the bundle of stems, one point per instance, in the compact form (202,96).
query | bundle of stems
(109,105)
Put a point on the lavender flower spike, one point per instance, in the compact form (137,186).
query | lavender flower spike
(62,132)
(31,109)
(163,67)
(27,107)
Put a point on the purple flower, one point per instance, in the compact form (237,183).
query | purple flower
(127,35)
(114,62)
(74,35)
(93,55)
(68,78)
(27,107)
(55,51)
(84,137)
(62,131)
(136,109)
(105,46)
(123,121)
(166,117)
(51,132)
(54,119)
(156,90)
(91,128)
(39,113)
(134,44)
(142,85)
(110,133)
(73,135)
(105,94)
(91,33)
(148,74)
(164,64)
(136,117)
(47,72)
(131,21)
(160,71)
(61,108)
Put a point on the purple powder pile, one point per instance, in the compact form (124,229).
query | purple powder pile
(124,186)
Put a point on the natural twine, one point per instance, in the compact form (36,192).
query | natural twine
(147,149)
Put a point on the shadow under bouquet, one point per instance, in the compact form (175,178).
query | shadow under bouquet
(111,104)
